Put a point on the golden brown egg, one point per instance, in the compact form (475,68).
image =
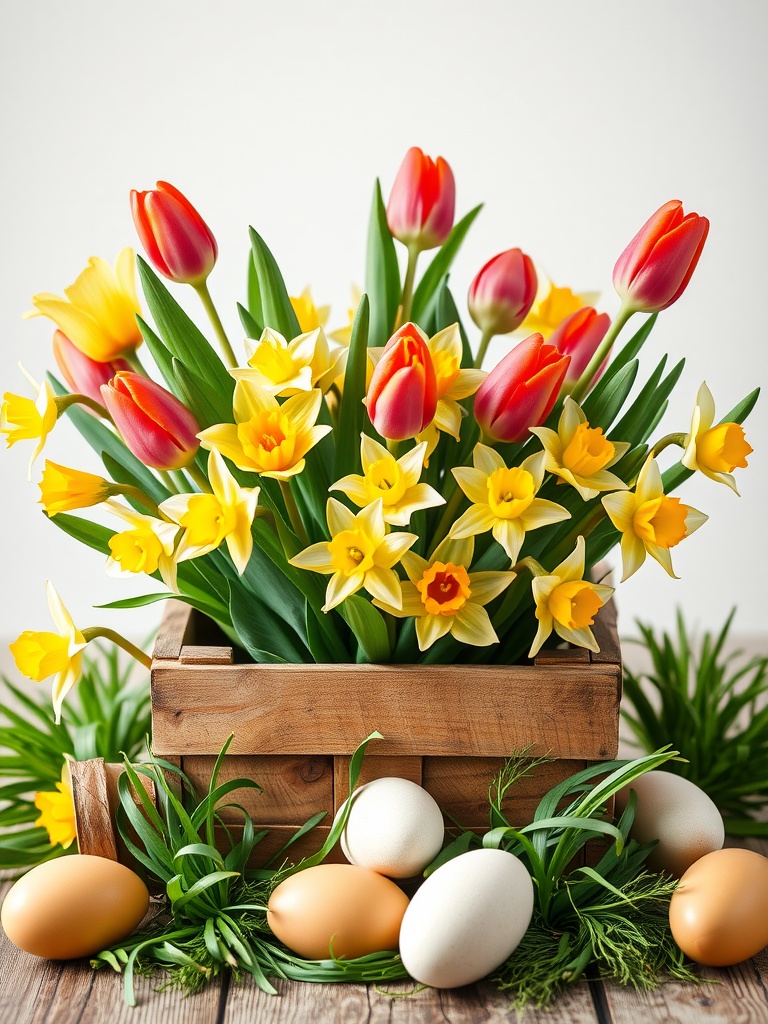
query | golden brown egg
(357,908)
(73,906)
(719,912)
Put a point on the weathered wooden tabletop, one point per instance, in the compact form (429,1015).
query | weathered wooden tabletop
(34,991)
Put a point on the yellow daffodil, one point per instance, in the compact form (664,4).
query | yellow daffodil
(553,305)
(268,438)
(394,481)
(581,455)
(504,499)
(567,603)
(147,547)
(57,811)
(650,522)
(29,419)
(360,554)
(40,654)
(343,335)
(208,519)
(309,315)
(63,489)
(453,383)
(288,368)
(444,597)
(714,450)
(99,312)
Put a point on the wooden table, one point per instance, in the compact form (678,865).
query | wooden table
(36,991)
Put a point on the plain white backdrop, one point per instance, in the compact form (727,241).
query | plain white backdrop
(572,121)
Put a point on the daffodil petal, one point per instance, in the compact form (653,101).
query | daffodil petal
(316,557)
(621,510)
(572,567)
(414,565)
(471,625)
(223,437)
(412,463)
(473,482)
(510,533)
(429,629)
(392,549)
(542,512)
(371,451)
(485,586)
(384,585)
(339,517)
(663,557)
(340,588)
(465,384)
(477,519)
(632,555)
(486,459)
(583,637)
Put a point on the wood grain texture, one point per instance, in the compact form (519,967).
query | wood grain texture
(194,655)
(177,623)
(94,821)
(374,767)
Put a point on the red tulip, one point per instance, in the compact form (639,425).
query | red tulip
(83,374)
(578,337)
(655,268)
(422,201)
(502,293)
(519,393)
(174,235)
(155,426)
(402,395)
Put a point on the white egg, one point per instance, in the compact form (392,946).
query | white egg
(681,816)
(394,827)
(466,919)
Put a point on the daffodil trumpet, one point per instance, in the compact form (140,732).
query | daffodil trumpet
(63,489)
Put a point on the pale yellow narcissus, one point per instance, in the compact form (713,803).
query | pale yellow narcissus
(63,489)
(287,368)
(57,811)
(504,499)
(444,597)
(147,547)
(553,305)
(99,312)
(42,654)
(714,450)
(453,383)
(226,515)
(360,554)
(29,419)
(394,481)
(566,602)
(309,315)
(650,522)
(581,455)
(266,437)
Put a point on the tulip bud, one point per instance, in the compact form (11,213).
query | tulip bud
(422,201)
(655,268)
(520,392)
(402,395)
(174,235)
(83,374)
(155,426)
(503,292)
(578,337)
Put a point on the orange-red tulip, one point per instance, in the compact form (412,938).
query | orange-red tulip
(176,238)
(578,337)
(83,374)
(402,395)
(422,201)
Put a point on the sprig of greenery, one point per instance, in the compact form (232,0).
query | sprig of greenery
(713,707)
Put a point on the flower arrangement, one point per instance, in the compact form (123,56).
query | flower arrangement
(374,495)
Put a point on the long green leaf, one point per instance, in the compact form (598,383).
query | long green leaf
(251,327)
(352,416)
(255,311)
(382,273)
(93,535)
(368,626)
(261,632)
(278,313)
(441,264)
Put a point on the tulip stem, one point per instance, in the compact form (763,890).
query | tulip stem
(102,632)
(605,346)
(485,337)
(293,511)
(65,401)
(447,518)
(213,316)
(410,277)
(199,477)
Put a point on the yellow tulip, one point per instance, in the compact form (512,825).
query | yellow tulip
(394,481)
(649,521)
(226,515)
(99,312)
(57,811)
(147,547)
(552,306)
(268,438)
(288,368)
(29,419)
(567,603)
(309,315)
(714,450)
(453,383)
(360,554)
(504,500)
(63,489)
(579,454)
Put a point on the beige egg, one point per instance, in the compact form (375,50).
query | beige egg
(73,906)
(681,816)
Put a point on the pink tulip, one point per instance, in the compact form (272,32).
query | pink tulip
(578,337)
(502,293)
(83,374)
(174,235)
(422,201)
(402,395)
(520,392)
(155,426)
(655,268)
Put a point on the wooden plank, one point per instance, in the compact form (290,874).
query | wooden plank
(94,823)
(177,622)
(193,655)
(562,656)
(606,633)
(374,767)
(479,710)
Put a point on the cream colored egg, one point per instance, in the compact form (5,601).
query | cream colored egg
(394,827)
(681,816)
(466,919)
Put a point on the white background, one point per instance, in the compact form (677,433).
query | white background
(572,121)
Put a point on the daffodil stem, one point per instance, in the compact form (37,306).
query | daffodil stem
(410,277)
(129,491)
(293,511)
(665,442)
(482,348)
(447,518)
(213,316)
(96,632)
(65,401)
(199,477)
(605,346)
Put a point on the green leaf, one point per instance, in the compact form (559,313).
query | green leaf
(278,312)
(262,632)
(633,346)
(255,310)
(316,638)
(382,273)
(603,404)
(208,405)
(368,626)
(441,264)
(250,326)
(353,414)
(93,535)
